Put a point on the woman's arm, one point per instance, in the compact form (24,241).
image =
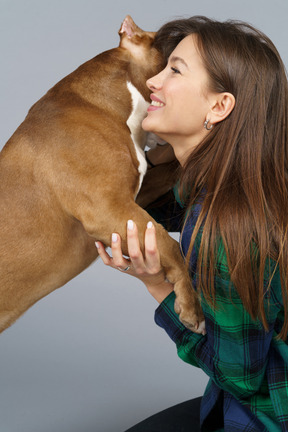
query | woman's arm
(234,352)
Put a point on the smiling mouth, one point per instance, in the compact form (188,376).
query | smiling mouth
(156,103)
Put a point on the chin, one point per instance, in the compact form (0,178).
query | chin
(145,125)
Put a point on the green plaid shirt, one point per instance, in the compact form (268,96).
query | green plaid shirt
(247,366)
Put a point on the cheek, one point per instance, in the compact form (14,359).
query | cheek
(188,118)
(195,104)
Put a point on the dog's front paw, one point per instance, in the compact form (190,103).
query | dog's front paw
(191,317)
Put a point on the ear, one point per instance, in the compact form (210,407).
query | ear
(129,33)
(128,28)
(221,107)
(132,38)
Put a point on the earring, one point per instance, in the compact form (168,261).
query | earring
(206,125)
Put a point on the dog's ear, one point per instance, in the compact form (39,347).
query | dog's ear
(133,38)
(129,28)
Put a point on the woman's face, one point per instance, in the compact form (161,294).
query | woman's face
(181,100)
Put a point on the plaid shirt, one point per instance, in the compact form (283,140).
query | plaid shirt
(247,366)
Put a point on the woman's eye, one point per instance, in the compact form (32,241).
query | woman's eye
(175,70)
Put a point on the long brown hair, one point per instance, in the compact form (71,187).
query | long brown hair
(242,164)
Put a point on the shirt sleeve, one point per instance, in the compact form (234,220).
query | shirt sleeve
(234,352)
(167,211)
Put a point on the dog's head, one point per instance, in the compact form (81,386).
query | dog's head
(145,58)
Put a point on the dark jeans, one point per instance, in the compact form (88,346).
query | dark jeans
(184,417)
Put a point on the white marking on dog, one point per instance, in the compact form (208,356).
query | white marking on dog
(138,135)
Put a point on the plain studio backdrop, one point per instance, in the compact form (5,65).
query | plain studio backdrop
(89,357)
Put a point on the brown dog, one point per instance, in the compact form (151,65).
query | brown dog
(70,174)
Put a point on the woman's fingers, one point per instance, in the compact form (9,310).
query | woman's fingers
(152,256)
(118,259)
(134,250)
(147,266)
(103,254)
(139,265)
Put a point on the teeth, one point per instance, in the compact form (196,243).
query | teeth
(158,104)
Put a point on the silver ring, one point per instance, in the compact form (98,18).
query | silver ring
(126,269)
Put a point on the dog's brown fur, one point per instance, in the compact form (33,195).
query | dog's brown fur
(69,175)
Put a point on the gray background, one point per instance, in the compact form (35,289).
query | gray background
(89,356)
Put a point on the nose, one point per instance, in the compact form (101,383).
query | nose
(155,82)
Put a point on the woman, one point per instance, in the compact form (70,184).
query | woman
(222,104)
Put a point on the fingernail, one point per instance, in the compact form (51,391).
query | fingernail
(97,245)
(150,225)
(130,225)
(114,238)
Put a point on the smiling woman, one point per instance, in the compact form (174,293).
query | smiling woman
(222,104)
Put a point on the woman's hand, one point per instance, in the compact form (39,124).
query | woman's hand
(145,267)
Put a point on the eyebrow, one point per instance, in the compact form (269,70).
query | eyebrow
(178,59)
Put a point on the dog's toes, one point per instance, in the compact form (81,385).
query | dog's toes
(193,321)
(202,328)
(195,327)
(177,307)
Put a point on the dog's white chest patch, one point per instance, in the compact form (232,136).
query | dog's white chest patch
(138,135)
